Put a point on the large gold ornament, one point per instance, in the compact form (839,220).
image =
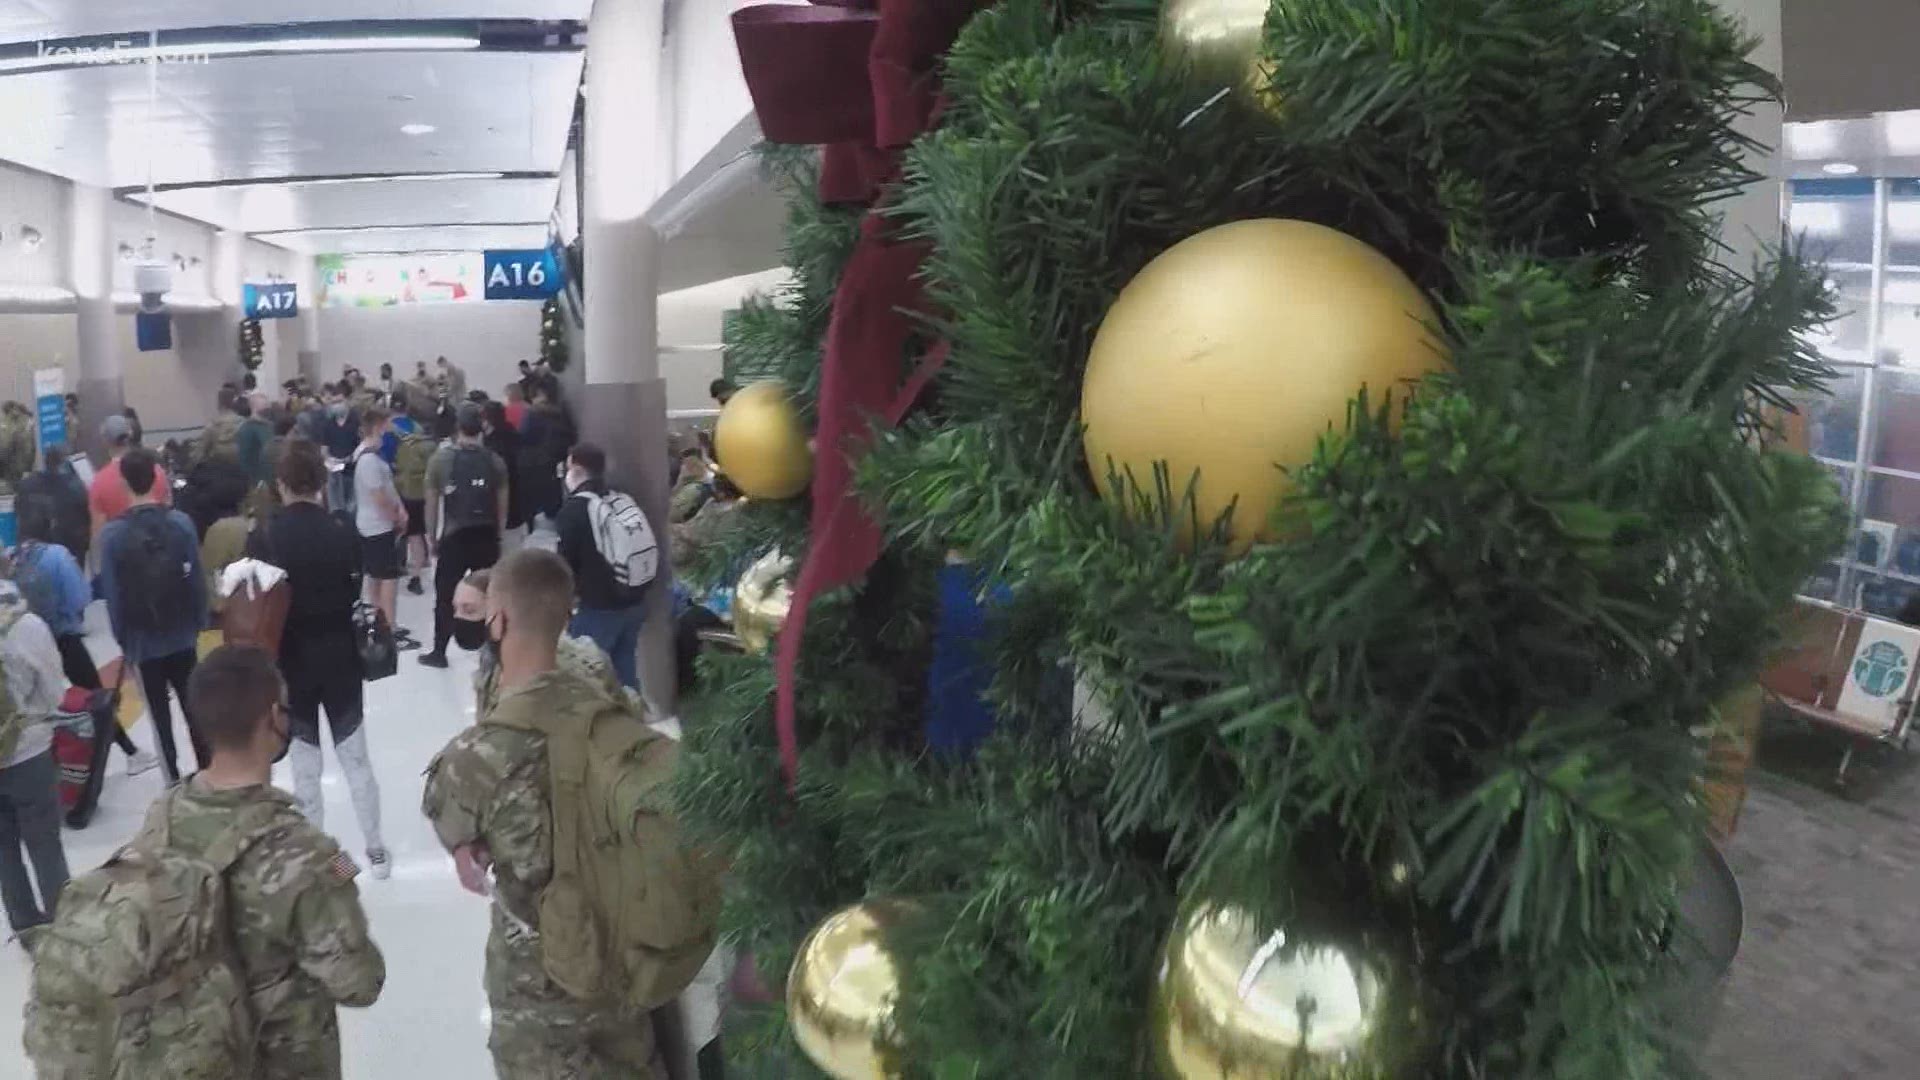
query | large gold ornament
(1224,40)
(761,599)
(841,990)
(761,446)
(1235,1002)
(1235,350)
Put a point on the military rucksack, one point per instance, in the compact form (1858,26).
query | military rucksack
(12,722)
(410,465)
(632,911)
(137,977)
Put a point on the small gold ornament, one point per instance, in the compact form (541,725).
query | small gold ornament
(760,601)
(1224,40)
(841,990)
(761,446)
(1235,1002)
(1235,350)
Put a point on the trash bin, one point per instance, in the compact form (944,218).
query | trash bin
(1710,923)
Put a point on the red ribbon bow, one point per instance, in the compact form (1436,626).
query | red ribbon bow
(860,76)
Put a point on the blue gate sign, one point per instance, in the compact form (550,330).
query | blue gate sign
(50,406)
(277,300)
(533,274)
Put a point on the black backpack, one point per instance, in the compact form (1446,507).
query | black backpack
(471,498)
(154,569)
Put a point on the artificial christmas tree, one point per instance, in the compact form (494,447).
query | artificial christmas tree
(1440,731)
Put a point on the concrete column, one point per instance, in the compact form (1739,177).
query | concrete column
(624,408)
(1757,217)
(100,378)
(307,276)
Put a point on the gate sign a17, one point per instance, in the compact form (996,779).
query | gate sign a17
(533,274)
(278,300)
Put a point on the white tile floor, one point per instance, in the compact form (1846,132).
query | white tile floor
(431,1020)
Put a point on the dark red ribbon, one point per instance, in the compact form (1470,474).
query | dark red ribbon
(861,77)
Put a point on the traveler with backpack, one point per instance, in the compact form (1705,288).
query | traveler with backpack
(29,779)
(377,514)
(609,545)
(574,655)
(591,927)
(467,492)
(319,657)
(410,460)
(231,923)
(56,589)
(56,492)
(156,599)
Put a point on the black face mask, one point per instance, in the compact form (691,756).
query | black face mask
(286,738)
(469,634)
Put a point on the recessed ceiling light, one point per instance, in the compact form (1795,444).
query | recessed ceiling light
(1839,168)
(417,129)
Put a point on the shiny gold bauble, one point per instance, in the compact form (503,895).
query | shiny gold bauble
(761,600)
(761,446)
(840,992)
(1224,40)
(1237,1002)
(1235,350)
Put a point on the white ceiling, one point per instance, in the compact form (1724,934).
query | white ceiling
(304,115)
(28,20)
(282,207)
(453,238)
(1887,144)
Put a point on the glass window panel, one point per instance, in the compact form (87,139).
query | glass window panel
(1846,339)
(1833,419)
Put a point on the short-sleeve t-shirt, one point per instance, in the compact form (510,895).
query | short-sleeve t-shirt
(372,476)
(109,496)
(440,470)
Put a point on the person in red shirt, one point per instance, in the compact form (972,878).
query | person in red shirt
(108,496)
(516,406)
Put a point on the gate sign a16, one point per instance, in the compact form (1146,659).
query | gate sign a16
(279,300)
(533,274)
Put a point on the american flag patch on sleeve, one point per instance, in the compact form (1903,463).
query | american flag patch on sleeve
(342,866)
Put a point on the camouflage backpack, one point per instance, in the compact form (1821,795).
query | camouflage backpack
(410,465)
(12,723)
(136,978)
(632,911)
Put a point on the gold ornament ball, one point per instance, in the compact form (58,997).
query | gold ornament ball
(761,446)
(1237,1002)
(761,600)
(1235,350)
(1224,40)
(841,990)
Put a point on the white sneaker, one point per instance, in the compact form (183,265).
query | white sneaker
(142,761)
(380,864)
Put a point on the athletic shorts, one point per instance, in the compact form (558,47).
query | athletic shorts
(380,556)
(416,516)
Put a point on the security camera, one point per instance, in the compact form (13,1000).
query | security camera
(152,280)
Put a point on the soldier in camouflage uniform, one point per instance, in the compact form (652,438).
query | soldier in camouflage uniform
(221,437)
(298,925)
(487,795)
(17,448)
(299,933)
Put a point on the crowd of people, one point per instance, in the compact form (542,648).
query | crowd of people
(347,490)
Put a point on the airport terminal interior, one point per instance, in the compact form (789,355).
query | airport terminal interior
(1065,674)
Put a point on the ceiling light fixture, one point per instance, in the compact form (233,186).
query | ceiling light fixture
(417,129)
(34,294)
(1840,168)
(174,50)
(30,239)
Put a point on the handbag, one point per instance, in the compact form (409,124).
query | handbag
(249,616)
(373,639)
(252,617)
